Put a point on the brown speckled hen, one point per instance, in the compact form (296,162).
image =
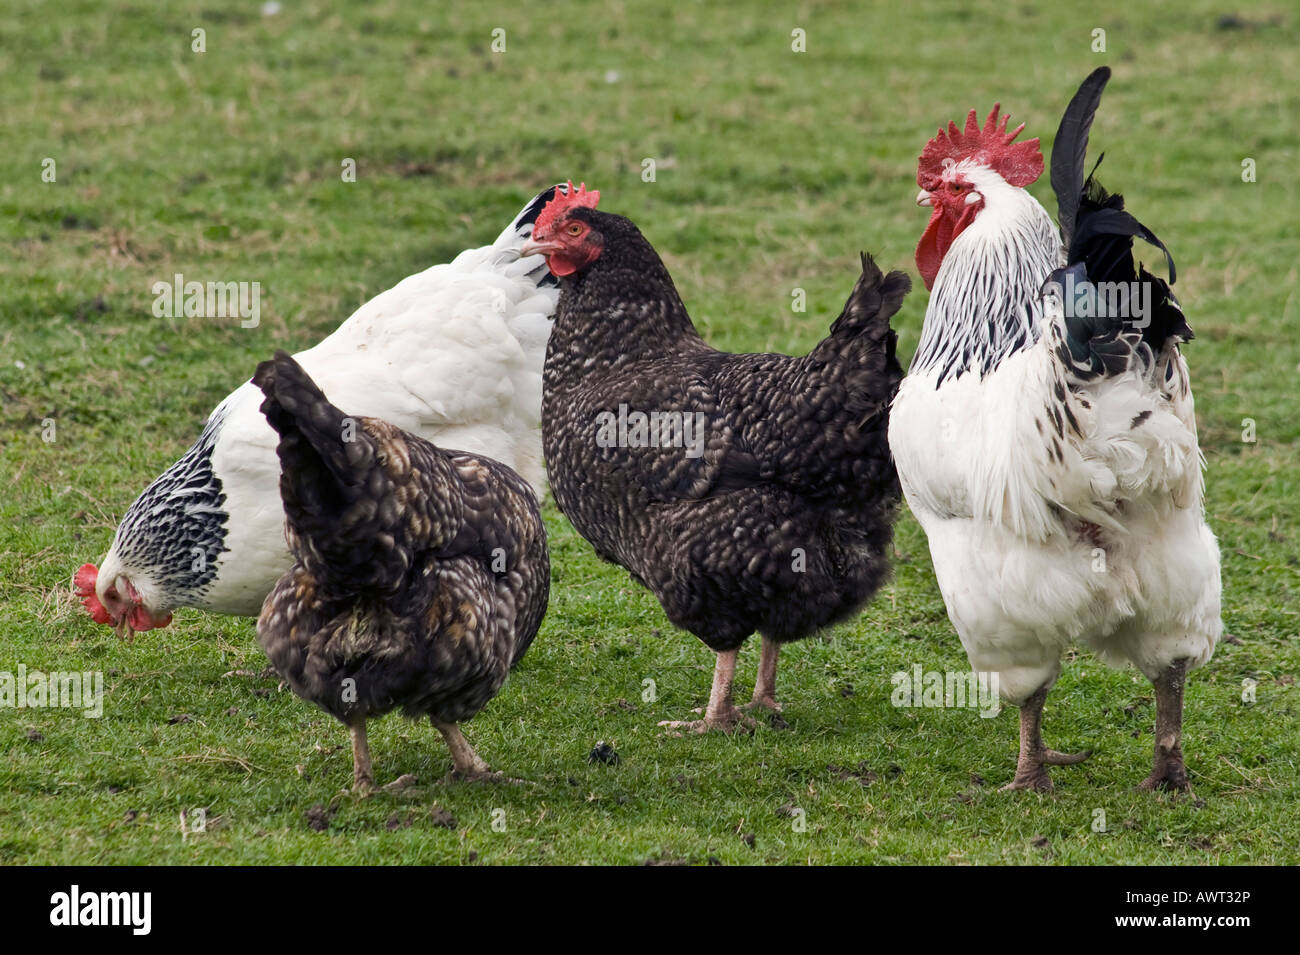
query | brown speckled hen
(747,492)
(421,575)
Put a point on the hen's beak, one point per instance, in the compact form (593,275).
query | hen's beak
(534,247)
(924,198)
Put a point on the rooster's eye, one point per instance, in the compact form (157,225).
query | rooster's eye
(574,229)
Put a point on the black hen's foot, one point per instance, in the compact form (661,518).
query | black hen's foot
(769,706)
(728,720)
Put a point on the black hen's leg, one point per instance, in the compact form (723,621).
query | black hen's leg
(765,683)
(1168,771)
(1031,766)
(721,713)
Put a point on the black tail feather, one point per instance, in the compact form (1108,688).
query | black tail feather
(1098,233)
(875,299)
(1070,148)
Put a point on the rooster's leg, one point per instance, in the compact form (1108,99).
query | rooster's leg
(765,684)
(1168,771)
(721,713)
(467,762)
(1031,766)
(363,780)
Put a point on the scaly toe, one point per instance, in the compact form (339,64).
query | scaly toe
(729,722)
(1171,780)
(405,781)
(1038,782)
(1052,758)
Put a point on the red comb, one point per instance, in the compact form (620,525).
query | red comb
(84,582)
(572,198)
(1017,163)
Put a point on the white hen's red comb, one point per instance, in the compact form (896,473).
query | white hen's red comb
(84,582)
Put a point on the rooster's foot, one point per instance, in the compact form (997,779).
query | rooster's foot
(1168,775)
(1035,780)
(1168,772)
(1032,773)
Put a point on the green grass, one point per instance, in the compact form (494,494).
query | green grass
(774,169)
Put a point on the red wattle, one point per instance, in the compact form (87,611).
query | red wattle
(933,246)
(141,620)
(559,265)
(938,238)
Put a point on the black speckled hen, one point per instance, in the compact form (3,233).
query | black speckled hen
(420,578)
(749,493)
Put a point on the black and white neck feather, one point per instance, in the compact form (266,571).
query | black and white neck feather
(985,304)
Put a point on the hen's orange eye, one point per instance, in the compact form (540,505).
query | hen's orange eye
(574,229)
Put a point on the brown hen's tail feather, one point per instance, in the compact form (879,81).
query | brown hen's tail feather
(304,418)
(344,512)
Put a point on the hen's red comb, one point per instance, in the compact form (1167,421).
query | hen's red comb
(562,202)
(1017,163)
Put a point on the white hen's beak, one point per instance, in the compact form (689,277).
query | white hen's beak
(923,198)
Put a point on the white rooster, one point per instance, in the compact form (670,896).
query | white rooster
(1046,439)
(452,354)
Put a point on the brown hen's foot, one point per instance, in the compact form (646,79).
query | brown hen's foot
(401,783)
(467,762)
(721,714)
(1031,772)
(363,779)
(496,777)
(1168,772)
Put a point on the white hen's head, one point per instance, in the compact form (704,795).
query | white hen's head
(963,172)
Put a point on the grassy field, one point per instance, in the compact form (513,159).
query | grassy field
(773,169)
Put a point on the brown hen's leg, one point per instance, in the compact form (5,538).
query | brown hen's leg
(363,780)
(721,713)
(467,762)
(1168,772)
(1031,772)
(765,684)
